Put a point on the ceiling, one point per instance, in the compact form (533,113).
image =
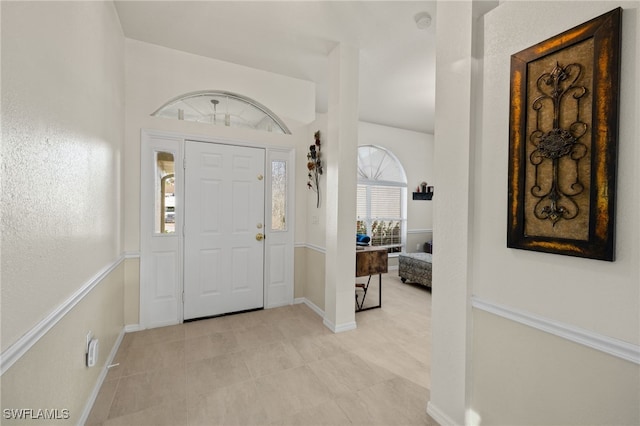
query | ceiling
(397,60)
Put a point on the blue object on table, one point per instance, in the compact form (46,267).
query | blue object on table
(362,240)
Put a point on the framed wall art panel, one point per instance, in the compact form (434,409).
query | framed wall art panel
(563,141)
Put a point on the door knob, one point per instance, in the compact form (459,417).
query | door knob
(259,237)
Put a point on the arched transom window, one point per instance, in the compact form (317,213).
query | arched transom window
(223,109)
(382,198)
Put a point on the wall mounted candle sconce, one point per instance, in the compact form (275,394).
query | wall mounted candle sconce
(314,166)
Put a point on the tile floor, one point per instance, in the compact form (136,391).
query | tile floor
(278,367)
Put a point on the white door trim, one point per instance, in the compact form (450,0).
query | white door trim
(285,296)
(160,255)
(279,245)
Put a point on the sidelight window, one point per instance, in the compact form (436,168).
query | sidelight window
(165,215)
(278,195)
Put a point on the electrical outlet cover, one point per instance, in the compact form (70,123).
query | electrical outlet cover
(92,353)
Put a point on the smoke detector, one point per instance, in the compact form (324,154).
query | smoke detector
(423,20)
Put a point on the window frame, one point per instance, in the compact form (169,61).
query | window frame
(180,108)
(368,184)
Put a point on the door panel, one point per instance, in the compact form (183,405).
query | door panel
(209,267)
(210,193)
(224,210)
(164,271)
(160,244)
(280,225)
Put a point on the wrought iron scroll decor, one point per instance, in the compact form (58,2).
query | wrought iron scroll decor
(563,141)
(558,87)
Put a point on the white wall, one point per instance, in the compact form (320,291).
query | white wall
(514,373)
(454,138)
(62,122)
(156,74)
(312,216)
(527,279)
(310,222)
(62,134)
(341,160)
(414,150)
(601,298)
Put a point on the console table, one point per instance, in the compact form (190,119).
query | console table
(370,261)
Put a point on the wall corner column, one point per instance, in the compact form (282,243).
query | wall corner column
(340,150)
(451,308)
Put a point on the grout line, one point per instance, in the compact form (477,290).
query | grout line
(399,291)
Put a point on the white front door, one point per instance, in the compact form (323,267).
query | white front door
(224,222)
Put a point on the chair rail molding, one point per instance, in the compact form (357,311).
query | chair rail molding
(608,345)
(419,231)
(311,247)
(14,352)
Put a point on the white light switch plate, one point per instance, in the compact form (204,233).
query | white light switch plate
(92,353)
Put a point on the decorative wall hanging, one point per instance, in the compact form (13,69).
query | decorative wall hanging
(563,141)
(314,166)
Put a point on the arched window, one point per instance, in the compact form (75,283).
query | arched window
(224,109)
(382,198)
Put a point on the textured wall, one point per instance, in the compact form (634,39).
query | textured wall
(315,283)
(62,129)
(525,376)
(132,291)
(454,138)
(53,374)
(567,289)
(310,216)
(175,73)
(415,152)
(574,384)
(62,133)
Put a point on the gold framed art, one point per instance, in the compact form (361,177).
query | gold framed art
(563,141)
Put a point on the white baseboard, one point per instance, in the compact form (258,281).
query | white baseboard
(130,328)
(311,305)
(439,416)
(341,327)
(330,325)
(103,374)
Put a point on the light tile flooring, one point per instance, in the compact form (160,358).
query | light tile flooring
(278,367)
